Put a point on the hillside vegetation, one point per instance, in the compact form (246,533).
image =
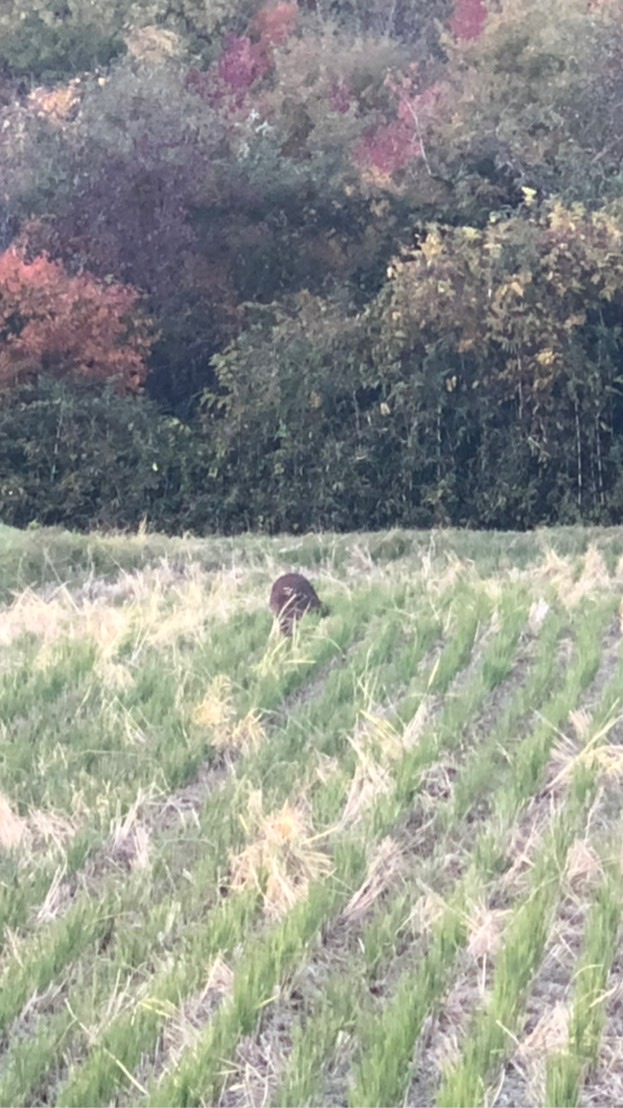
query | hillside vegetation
(327,264)
(379,864)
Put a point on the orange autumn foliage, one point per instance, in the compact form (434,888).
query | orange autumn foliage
(274,23)
(69,327)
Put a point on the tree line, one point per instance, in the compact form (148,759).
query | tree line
(334,264)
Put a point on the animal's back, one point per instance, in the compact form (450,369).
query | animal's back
(291,596)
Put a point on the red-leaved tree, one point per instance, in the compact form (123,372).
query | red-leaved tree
(468,19)
(68,327)
(245,60)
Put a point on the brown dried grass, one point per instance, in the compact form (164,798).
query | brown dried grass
(282,858)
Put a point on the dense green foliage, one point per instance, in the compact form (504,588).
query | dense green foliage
(52,39)
(87,460)
(382,246)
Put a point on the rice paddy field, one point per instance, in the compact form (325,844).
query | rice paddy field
(379,864)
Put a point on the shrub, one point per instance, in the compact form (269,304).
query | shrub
(534,101)
(497,351)
(68,327)
(77,458)
(481,387)
(204,205)
(416,22)
(114,192)
(293,429)
(55,40)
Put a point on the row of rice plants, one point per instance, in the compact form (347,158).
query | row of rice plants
(338,1007)
(490,1037)
(387,1044)
(566,1070)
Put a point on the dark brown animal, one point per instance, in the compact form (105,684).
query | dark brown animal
(290,598)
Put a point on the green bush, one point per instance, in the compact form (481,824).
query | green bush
(499,353)
(535,101)
(480,388)
(48,40)
(294,446)
(79,459)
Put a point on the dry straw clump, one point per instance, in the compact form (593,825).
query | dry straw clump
(154,606)
(584,868)
(439,580)
(583,750)
(379,747)
(216,713)
(129,844)
(32,614)
(13,828)
(186,1022)
(40,832)
(549,1037)
(370,780)
(571,587)
(428,910)
(539,610)
(56,898)
(527,840)
(360,563)
(384,869)
(485,928)
(282,858)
